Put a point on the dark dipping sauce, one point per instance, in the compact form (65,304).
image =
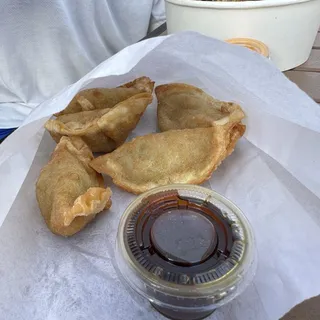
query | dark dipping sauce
(184,241)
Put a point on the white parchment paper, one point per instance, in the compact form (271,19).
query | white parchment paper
(273,176)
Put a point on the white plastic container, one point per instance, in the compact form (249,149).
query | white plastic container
(287,27)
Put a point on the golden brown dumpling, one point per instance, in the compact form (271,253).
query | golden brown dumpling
(102,98)
(69,192)
(182,106)
(175,156)
(103,130)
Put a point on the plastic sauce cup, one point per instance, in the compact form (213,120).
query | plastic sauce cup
(186,249)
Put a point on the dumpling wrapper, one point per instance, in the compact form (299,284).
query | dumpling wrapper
(102,98)
(102,130)
(182,106)
(175,156)
(69,192)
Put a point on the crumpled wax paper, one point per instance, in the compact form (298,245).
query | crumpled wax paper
(273,176)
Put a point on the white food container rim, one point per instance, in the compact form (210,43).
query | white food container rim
(236,4)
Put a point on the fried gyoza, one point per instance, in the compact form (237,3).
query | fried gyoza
(69,192)
(102,130)
(102,98)
(182,106)
(175,156)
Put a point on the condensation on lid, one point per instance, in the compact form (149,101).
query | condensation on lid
(183,237)
(252,44)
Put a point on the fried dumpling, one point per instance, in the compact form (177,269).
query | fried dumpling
(69,192)
(182,106)
(102,130)
(175,156)
(102,98)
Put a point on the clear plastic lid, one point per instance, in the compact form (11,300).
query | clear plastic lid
(185,246)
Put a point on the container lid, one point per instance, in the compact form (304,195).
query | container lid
(251,44)
(186,242)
